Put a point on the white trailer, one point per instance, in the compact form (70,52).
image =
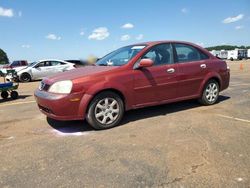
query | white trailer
(222,54)
(248,53)
(215,53)
(237,54)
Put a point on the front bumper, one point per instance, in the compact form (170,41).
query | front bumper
(61,106)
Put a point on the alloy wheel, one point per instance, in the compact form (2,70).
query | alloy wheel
(212,92)
(107,111)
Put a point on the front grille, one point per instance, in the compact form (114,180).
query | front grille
(45,109)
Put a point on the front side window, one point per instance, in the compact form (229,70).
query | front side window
(187,53)
(121,56)
(44,64)
(160,54)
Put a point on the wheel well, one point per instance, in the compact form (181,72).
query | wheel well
(216,79)
(25,73)
(111,90)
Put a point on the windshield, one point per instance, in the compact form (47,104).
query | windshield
(15,63)
(121,56)
(31,64)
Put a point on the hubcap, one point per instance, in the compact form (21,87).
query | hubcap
(25,77)
(212,92)
(107,111)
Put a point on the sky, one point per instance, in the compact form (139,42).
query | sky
(64,29)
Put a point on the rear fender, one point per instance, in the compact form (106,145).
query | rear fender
(207,78)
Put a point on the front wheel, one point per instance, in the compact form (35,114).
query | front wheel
(105,111)
(210,93)
(25,77)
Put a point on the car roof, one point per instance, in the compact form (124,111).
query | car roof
(54,60)
(151,43)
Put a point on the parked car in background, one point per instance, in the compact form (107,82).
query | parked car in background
(16,65)
(43,68)
(131,77)
(78,63)
(3,65)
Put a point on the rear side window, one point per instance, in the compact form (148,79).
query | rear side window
(23,63)
(55,63)
(187,53)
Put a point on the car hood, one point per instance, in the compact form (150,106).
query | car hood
(21,69)
(79,72)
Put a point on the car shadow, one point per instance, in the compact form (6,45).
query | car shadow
(154,111)
(130,116)
(69,126)
(10,99)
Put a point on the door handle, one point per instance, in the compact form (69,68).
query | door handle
(171,70)
(203,66)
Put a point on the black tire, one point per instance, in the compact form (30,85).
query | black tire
(231,59)
(210,97)
(14,95)
(4,94)
(25,77)
(92,111)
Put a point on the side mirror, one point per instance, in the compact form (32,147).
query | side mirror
(145,63)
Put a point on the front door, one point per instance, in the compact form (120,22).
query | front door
(42,70)
(159,82)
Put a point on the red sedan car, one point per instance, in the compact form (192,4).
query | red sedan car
(131,77)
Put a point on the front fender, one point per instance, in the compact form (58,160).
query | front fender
(102,86)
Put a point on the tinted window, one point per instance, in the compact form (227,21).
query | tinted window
(44,64)
(186,53)
(121,56)
(161,54)
(15,63)
(55,63)
(23,63)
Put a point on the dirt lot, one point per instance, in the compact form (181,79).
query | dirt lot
(176,145)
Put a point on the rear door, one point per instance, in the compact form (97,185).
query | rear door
(192,69)
(57,66)
(159,82)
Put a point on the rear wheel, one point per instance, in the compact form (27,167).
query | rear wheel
(105,111)
(4,94)
(25,77)
(210,93)
(14,94)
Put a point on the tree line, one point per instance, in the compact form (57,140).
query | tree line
(3,57)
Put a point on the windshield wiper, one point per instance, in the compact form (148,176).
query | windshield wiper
(102,64)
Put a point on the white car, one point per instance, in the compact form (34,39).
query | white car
(43,68)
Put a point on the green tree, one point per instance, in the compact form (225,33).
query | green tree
(3,57)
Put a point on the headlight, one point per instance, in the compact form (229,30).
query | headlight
(63,87)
